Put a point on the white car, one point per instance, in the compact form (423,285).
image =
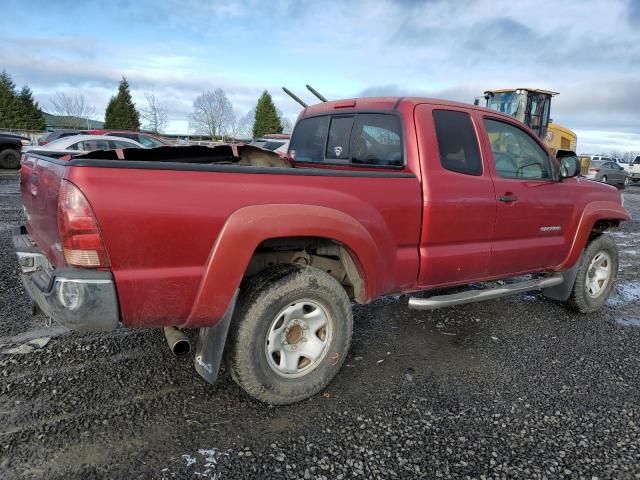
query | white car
(85,144)
(634,170)
(277,142)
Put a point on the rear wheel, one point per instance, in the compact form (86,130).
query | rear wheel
(626,181)
(596,275)
(604,179)
(9,158)
(290,334)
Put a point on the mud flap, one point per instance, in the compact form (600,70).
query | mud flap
(562,292)
(210,346)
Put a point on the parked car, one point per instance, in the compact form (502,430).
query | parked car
(264,255)
(634,170)
(276,142)
(148,140)
(11,146)
(607,171)
(77,144)
(56,134)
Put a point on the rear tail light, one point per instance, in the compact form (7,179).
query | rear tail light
(79,233)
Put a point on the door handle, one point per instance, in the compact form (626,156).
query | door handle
(508,198)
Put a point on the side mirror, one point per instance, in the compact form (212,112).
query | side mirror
(569,167)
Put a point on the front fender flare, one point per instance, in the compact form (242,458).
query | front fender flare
(603,210)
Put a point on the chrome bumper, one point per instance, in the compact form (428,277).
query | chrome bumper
(80,299)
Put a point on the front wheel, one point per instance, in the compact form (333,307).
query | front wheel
(290,334)
(596,275)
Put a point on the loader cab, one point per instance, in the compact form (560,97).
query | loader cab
(530,106)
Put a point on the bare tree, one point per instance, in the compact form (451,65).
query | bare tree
(287,125)
(155,114)
(74,107)
(244,125)
(213,114)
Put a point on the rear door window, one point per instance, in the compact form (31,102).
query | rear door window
(457,142)
(148,141)
(121,144)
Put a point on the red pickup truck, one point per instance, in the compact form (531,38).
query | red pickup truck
(264,256)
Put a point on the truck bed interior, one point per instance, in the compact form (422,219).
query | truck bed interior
(223,154)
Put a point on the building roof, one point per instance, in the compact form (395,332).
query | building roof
(58,121)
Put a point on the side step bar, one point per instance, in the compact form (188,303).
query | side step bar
(470,296)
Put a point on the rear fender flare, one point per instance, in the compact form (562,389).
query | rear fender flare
(249,226)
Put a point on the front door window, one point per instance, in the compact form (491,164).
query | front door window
(515,153)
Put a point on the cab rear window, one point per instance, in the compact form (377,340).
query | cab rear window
(367,139)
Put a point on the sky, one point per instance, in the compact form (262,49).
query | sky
(588,51)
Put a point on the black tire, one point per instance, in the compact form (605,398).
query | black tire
(261,299)
(580,300)
(9,158)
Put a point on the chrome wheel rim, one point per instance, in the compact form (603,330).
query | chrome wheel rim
(298,338)
(604,179)
(598,274)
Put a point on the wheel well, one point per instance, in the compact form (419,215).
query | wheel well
(601,226)
(4,146)
(322,253)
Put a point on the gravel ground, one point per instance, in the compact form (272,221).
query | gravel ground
(513,388)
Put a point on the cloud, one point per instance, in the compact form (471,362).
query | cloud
(587,51)
(634,13)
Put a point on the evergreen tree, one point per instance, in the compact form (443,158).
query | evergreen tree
(10,108)
(267,120)
(121,112)
(31,116)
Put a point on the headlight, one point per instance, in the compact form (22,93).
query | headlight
(25,142)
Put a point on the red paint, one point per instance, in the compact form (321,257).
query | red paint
(179,241)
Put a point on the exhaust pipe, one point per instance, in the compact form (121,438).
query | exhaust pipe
(178,342)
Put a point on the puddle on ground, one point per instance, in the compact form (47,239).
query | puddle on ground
(625,292)
(628,322)
(625,234)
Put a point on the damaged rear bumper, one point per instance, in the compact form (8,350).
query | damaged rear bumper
(79,299)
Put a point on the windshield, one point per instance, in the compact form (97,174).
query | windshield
(511,103)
